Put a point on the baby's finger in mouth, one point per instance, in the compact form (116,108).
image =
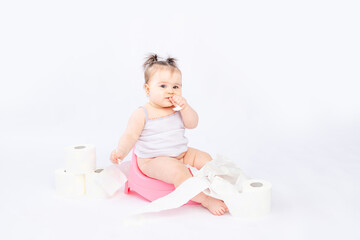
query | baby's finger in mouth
(172,100)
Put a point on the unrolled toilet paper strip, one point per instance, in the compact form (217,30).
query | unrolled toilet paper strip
(220,179)
(69,184)
(93,189)
(180,196)
(124,166)
(111,179)
(80,159)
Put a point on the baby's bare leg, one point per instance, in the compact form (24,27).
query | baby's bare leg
(172,170)
(167,169)
(198,159)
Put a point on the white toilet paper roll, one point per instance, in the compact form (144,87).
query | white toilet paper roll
(254,201)
(80,159)
(69,184)
(93,189)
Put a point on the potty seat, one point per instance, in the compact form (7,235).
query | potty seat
(147,187)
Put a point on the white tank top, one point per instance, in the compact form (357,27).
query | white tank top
(162,137)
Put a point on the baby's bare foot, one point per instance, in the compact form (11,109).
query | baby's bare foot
(215,206)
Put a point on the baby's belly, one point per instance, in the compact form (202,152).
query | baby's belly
(180,157)
(143,161)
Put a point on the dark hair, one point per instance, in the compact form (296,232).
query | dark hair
(152,62)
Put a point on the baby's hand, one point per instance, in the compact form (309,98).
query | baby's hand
(178,101)
(115,156)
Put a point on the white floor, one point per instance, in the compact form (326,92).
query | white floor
(316,195)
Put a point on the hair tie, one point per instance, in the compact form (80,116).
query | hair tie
(155,58)
(171,61)
(151,59)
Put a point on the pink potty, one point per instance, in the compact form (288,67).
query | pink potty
(149,188)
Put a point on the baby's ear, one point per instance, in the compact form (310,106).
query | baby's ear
(147,89)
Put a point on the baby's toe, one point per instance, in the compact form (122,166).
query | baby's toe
(221,211)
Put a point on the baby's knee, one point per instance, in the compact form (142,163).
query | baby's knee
(206,156)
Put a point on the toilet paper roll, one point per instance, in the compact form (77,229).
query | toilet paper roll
(80,159)
(93,189)
(69,184)
(254,201)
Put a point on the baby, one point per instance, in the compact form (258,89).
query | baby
(157,131)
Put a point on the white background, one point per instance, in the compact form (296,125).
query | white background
(275,84)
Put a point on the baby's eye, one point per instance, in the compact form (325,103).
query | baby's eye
(176,87)
(163,86)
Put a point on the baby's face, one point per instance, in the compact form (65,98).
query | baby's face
(163,84)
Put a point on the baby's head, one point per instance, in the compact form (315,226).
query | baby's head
(162,80)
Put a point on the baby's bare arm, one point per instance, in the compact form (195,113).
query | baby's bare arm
(132,133)
(189,116)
